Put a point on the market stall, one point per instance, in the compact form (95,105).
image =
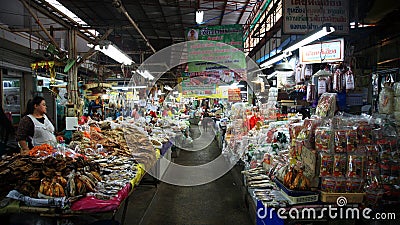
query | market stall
(93,174)
(310,163)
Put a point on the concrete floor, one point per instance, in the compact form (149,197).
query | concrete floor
(218,202)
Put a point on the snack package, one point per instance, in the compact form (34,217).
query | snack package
(326,105)
(340,185)
(326,168)
(355,165)
(354,185)
(340,145)
(339,165)
(364,132)
(328,184)
(323,139)
(352,140)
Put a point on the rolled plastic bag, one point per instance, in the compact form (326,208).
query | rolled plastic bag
(60,202)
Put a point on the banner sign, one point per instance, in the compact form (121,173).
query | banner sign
(234,95)
(327,51)
(214,56)
(198,86)
(304,16)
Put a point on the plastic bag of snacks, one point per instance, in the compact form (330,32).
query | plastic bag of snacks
(386,99)
(328,184)
(352,140)
(340,185)
(355,165)
(339,165)
(323,139)
(364,132)
(340,136)
(326,168)
(326,105)
(396,88)
(397,104)
(354,185)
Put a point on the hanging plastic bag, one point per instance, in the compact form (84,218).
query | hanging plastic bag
(386,99)
(349,80)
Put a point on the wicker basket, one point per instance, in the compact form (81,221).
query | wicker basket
(351,197)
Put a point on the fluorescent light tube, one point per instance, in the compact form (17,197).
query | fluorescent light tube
(315,36)
(199,17)
(113,52)
(275,59)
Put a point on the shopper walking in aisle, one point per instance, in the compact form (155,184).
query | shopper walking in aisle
(35,128)
(205,119)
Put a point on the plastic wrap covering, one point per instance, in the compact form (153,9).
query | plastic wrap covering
(396,88)
(326,105)
(386,99)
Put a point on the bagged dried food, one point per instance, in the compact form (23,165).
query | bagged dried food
(386,100)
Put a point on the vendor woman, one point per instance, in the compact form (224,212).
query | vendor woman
(35,128)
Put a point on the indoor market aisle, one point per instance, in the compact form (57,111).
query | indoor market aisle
(218,202)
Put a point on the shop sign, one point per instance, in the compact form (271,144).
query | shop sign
(327,51)
(198,86)
(220,55)
(304,16)
(234,95)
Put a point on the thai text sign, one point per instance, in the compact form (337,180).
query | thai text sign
(327,51)
(222,54)
(234,95)
(198,86)
(304,16)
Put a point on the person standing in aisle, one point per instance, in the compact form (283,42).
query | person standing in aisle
(35,128)
(6,130)
(206,118)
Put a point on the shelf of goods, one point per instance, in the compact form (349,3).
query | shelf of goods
(95,173)
(317,160)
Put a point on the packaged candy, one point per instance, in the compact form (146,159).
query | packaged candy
(364,132)
(326,105)
(354,185)
(372,152)
(323,139)
(352,140)
(328,184)
(326,168)
(340,141)
(340,185)
(355,165)
(339,165)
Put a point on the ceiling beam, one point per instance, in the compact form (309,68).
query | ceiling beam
(41,25)
(243,10)
(91,51)
(123,10)
(223,13)
(35,30)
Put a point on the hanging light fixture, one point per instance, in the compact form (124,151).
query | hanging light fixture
(113,52)
(199,16)
(311,37)
(284,66)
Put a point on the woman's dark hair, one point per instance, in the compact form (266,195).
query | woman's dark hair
(31,104)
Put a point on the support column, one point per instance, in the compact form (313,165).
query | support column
(73,92)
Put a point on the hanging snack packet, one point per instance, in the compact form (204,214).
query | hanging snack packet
(339,165)
(326,168)
(323,139)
